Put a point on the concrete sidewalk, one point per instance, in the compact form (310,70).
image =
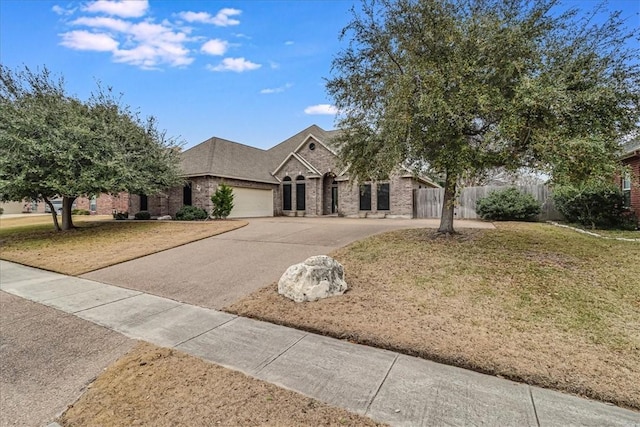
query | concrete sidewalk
(383,385)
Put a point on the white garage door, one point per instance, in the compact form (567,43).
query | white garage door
(251,202)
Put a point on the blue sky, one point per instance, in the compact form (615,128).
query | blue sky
(248,71)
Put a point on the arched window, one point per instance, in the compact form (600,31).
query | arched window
(300,193)
(286,194)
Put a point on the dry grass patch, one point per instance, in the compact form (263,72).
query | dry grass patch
(37,219)
(97,244)
(530,302)
(161,387)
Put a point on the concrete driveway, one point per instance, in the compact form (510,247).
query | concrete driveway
(220,270)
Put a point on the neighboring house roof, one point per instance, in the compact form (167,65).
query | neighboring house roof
(631,148)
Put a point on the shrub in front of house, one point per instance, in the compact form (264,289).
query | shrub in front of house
(142,215)
(121,215)
(594,206)
(80,212)
(222,201)
(508,205)
(191,213)
(1,211)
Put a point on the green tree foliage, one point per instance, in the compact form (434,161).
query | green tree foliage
(54,145)
(222,201)
(457,87)
(191,213)
(593,205)
(508,205)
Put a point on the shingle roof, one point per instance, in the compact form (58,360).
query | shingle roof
(220,157)
(228,159)
(288,146)
(630,147)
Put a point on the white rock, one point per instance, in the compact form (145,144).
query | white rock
(316,278)
(164,218)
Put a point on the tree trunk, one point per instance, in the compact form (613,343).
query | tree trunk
(448,205)
(54,214)
(67,221)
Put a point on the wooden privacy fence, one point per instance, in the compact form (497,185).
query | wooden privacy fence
(427,202)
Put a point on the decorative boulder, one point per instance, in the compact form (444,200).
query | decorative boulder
(316,278)
(165,218)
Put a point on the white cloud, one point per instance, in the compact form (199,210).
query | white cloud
(324,109)
(202,17)
(276,89)
(143,44)
(234,64)
(149,57)
(84,40)
(59,10)
(155,44)
(288,43)
(221,19)
(215,47)
(103,22)
(122,8)
(274,65)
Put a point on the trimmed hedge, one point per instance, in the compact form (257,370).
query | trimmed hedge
(191,213)
(508,205)
(142,215)
(121,215)
(80,212)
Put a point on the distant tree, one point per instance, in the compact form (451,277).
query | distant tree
(54,145)
(222,201)
(458,87)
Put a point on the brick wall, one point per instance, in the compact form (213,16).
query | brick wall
(294,168)
(202,188)
(634,164)
(106,203)
(318,188)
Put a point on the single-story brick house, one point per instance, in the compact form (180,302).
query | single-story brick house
(298,177)
(631,184)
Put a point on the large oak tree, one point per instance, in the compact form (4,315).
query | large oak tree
(54,145)
(458,87)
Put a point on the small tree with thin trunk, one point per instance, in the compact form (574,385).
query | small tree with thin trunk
(458,87)
(222,201)
(54,145)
